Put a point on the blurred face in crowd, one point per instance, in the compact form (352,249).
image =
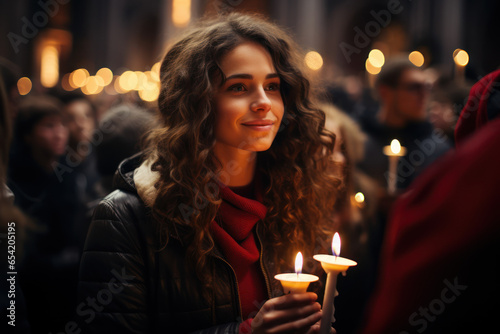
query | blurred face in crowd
(248,105)
(80,121)
(49,136)
(408,100)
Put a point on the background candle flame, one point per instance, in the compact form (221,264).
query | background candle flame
(298,263)
(395,146)
(336,244)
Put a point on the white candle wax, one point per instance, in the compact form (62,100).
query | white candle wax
(333,265)
(394,152)
(295,283)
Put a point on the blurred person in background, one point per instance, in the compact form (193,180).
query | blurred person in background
(403,115)
(447,101)
(354,217)
(403,91)
(49,271)
(440,263)
(122,129)
(13,225)
(80,119)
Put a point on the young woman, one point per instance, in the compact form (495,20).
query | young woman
(233,184)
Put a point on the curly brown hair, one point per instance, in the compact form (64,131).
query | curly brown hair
(299,190)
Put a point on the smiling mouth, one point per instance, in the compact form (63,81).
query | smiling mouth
(259,125)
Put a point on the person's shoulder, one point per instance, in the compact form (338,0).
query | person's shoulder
(119,205)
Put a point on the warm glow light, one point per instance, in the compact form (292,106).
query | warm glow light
(92,86)
(141,80)
(149,81)
(118,88)
(149,95)
(78,78)
(298,263)
(24,85)
(99,80)
(461,58)
(417,58)
(359,197)
(155,71)
(49,66)
(181,12)
(370,68)
(395,146)
(336,244)
(377,58)
(128,81)
(313,60)
(65,83)
(106,75)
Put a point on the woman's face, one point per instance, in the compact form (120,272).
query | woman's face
(248,105)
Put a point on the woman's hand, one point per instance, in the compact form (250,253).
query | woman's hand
(293,313)
(315,329)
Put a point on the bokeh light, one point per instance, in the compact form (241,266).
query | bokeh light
(78,78)
(155,71)
(24,85)
(313,60)
(49,66)
(92,86)
(149,95)
(377,58)
(370,68)
(181,12)
(65,84)
(417,58)
(106,74)
(461,57)
(128,81)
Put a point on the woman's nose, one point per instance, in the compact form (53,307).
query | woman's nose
(261,102)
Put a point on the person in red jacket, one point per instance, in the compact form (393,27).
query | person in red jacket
(235,181)
(440,258)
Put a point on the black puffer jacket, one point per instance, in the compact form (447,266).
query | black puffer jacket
(126,286)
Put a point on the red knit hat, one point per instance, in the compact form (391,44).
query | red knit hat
(482,106)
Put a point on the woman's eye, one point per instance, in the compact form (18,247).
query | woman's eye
(273,87)
(238,88)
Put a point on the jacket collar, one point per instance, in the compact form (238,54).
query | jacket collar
(124,175)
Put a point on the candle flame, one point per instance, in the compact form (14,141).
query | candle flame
(336,244)
(395,146)
(359,197)
(298,263)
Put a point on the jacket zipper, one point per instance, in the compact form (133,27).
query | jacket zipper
(235,280)
(264,271)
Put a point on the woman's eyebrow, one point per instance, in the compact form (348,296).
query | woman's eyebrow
(249,76)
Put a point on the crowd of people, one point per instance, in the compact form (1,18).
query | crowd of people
(132,223)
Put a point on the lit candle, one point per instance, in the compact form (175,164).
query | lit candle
(333,265)
(394,152)
(298,282)
(461,59)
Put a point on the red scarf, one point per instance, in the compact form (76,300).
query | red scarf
(233,233)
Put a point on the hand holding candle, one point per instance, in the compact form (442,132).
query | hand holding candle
(333,265)
(298,282)
(394,152)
